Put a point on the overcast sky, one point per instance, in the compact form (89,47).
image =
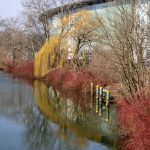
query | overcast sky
(10,8)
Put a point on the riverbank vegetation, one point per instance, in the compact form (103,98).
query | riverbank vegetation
(134,118)
(120,54)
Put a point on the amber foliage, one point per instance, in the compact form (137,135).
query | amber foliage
(74,32)
(41,58)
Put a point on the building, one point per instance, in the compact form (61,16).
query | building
(94,7)
(52,17)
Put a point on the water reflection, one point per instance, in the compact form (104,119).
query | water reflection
(63,112)
(71,117)
(42,119)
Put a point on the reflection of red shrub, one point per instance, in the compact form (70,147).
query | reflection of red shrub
(135,119)
(24,69)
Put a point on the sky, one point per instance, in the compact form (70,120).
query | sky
(10,8)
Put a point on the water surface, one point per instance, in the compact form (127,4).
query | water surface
(39,118)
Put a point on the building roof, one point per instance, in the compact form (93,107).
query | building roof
(51,12)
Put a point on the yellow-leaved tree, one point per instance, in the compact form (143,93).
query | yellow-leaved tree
(83,26)
(75,31)
(53,53)
(47,57)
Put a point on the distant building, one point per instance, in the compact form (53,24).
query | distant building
(101,7)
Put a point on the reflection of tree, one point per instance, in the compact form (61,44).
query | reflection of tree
(15,99)
(39,132)
(61,137)
(42,134)
(55,124)
(64,113)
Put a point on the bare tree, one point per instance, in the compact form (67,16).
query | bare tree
(39,31)
(14,41)
(125,34)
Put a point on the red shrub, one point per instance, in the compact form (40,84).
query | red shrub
(69,79)
(135,119)
(54,77)
(85,78)
(8,66)
(24,69)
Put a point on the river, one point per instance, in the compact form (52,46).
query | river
(39,118)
